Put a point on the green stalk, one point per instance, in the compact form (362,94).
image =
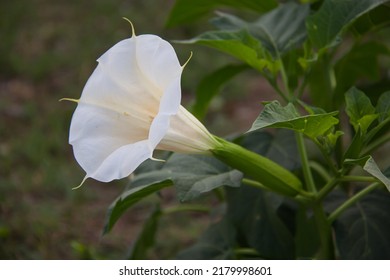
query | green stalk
(267,172)
(305,163)
(351,201)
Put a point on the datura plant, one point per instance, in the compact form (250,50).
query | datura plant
(299,183)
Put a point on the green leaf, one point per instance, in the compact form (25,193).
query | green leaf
(362,61)
(129,198)
(255,215)
(362,231)
(275,115)
(239,44)
(383,106)
(278,31)
(185,11)
(146,238)
(370,166)
(356,146)
(373,20)
(194,175)
(217,243)
(210,85)
(359,109)
(325,26)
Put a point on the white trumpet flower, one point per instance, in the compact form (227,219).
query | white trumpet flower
(129,107)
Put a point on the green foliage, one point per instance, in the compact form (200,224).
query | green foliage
(294,198)
(210,86)
(185,11)
(359,109)
(275,115)
(325,26)
(361,231)
(146,238)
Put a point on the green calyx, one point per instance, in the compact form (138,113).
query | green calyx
(265,171)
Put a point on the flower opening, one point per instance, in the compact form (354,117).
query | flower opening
(130,106)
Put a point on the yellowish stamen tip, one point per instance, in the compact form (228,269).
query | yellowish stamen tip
(132,26)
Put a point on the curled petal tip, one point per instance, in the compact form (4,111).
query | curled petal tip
(157,159)
(188,60)
(132,26)
(81,184)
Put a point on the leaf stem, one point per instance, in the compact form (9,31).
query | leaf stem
(351,201)
(357,179)
(327,188)
(320,170)
(375,144)
(305,163)
(186,207)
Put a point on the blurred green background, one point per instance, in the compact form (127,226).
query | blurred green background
(48,50)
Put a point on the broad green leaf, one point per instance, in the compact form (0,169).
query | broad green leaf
(373,20)
(370,166)
(278,31)
(362,231)
(359,109)
(239,44)
(325,26)
(185,11)
(129,198)
(383,106)
(146,238)
(362,61)
(275,115)
(217,243)
(194,175)
(255,215)
(210,85)
(322,83)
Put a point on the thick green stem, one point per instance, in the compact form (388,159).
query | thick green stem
(261,169)
(324,231)
(332,217)
(323,227)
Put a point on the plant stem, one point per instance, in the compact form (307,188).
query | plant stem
(305,163)
(351,201)
(303,196)
(324,232)
(323,227)
(377,143)
(327,188)
(320,170)
(186,207)
(357,179)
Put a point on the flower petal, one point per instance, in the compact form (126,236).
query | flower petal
(125,107)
